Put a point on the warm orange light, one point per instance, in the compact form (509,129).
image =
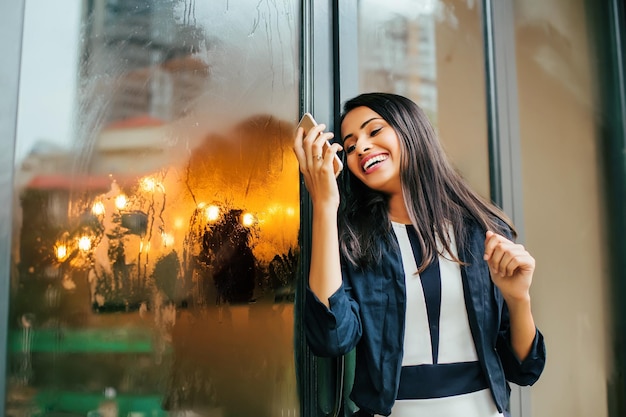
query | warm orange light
(212,213)
(179,222)
(290,211)
(84,243)
(151,185)
(98,208)
(61,252)
(144,248)
(120,201)
(248,219)
(168,240)
(148,184)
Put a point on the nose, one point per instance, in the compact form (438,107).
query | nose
(362,146)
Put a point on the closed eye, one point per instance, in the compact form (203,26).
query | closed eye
(376,131)
(350,149)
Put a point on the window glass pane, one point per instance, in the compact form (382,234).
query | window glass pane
(156,225)
(432,52)
(564,211)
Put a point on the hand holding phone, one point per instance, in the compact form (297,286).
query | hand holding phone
(307,123)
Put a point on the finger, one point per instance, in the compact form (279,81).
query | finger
(512,266)
(298,149)
(498,253)
(510,257)
(329,150)
(494,261)
(334,149)
(520,263)
(320,151)
(506,265)
(322,138)
(492,241)
(313,144)
(306,141)
(313,134)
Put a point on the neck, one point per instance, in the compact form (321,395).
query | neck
(397,210)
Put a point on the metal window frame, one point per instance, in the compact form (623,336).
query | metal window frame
(11,26)
(346,86)
(609,24)
(504,137)
(615,157)
(347,52)
(502,109)
(319,379)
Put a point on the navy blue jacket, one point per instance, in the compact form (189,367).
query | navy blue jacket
(368,312)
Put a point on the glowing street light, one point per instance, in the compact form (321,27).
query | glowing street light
(148,184)
(120,201)
(61,252)
(84,243)
(151,185)
(247,219)
(212,213)
(98,208)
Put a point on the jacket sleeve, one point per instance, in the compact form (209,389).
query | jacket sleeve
(521,372)
(332,331)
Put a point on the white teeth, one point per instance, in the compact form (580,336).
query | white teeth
(374,160)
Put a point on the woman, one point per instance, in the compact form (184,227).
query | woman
(413,269)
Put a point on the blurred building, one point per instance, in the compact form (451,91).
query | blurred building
(401,56)
(141,59)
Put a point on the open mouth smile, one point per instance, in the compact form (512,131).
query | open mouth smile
(372,161)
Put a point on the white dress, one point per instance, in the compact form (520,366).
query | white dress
(444,340)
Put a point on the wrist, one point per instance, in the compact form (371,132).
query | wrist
(326,211)
(518,302)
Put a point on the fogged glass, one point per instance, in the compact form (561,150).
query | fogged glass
(432,52)
(157,210)
(561,127)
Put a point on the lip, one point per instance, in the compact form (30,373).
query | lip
(368,157)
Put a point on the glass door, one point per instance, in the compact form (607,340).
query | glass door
(156,210)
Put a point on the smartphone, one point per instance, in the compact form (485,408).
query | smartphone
(307,123)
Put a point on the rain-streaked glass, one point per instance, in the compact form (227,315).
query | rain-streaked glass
(157,210)
(432,52)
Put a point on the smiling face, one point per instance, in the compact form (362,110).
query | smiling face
(372,150)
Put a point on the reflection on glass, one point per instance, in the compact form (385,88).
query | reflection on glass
(397,46)
(432,52)
(156,248)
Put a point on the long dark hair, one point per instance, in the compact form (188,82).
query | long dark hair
(436,196)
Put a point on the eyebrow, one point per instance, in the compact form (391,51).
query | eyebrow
(361,127)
